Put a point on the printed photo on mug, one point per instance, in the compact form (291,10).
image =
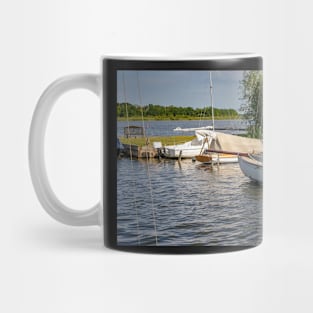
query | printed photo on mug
(189,157)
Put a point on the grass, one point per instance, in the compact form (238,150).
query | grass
(166,140)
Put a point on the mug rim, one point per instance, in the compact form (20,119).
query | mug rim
(180,57)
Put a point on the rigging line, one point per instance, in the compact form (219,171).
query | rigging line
(148,166)
(202,115)
(127,119)
(200,118)
(231,125)
(167,123)
(211,96)
(131,160)
(259,124)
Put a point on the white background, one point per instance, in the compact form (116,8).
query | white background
(49,267)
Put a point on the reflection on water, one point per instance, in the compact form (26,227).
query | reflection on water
(186,203)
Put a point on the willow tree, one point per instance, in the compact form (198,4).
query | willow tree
(252,96)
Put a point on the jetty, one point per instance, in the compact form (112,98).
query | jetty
(152,147)
(135,151)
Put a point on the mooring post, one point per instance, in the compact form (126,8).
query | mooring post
(180,153)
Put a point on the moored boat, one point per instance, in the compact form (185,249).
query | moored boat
(208,145)
(252,166)
(211,158)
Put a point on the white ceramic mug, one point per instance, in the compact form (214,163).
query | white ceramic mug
(170,183)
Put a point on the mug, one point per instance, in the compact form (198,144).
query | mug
(182,152)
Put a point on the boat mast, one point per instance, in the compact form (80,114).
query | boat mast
(211,96)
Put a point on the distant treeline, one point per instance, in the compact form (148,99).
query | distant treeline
(156,111)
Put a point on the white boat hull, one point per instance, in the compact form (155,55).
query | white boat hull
(224,159)
(185,150)
(206,139)
(182,152)
(216,159)
(251,168)
(188,151)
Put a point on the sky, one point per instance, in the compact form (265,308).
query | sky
(180,88)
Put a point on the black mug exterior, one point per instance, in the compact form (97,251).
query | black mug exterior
(110,66)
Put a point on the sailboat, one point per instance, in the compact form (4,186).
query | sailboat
(194,147)
(207,155)
(226,148)
(210,146)
(252,166)
(188,149)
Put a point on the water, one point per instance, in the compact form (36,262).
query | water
(171,203)
(165,128)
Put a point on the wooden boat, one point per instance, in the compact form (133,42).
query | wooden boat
(252,166)
(210,158)
(204,158)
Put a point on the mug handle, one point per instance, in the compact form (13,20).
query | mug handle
(37,165)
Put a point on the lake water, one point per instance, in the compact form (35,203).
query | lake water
(170,203)
(165,128)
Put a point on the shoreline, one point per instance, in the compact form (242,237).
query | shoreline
(166,140)
(151,118)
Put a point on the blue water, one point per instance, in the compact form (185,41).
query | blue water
(165,128)
(168,203)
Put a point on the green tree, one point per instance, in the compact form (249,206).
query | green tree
(252,95)
(156,111)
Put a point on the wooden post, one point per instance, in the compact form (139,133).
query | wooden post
(180,153)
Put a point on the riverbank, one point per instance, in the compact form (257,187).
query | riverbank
(178,118)
(165,140)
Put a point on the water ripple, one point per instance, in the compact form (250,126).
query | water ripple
(192,204)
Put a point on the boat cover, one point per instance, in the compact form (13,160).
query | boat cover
(228,142)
